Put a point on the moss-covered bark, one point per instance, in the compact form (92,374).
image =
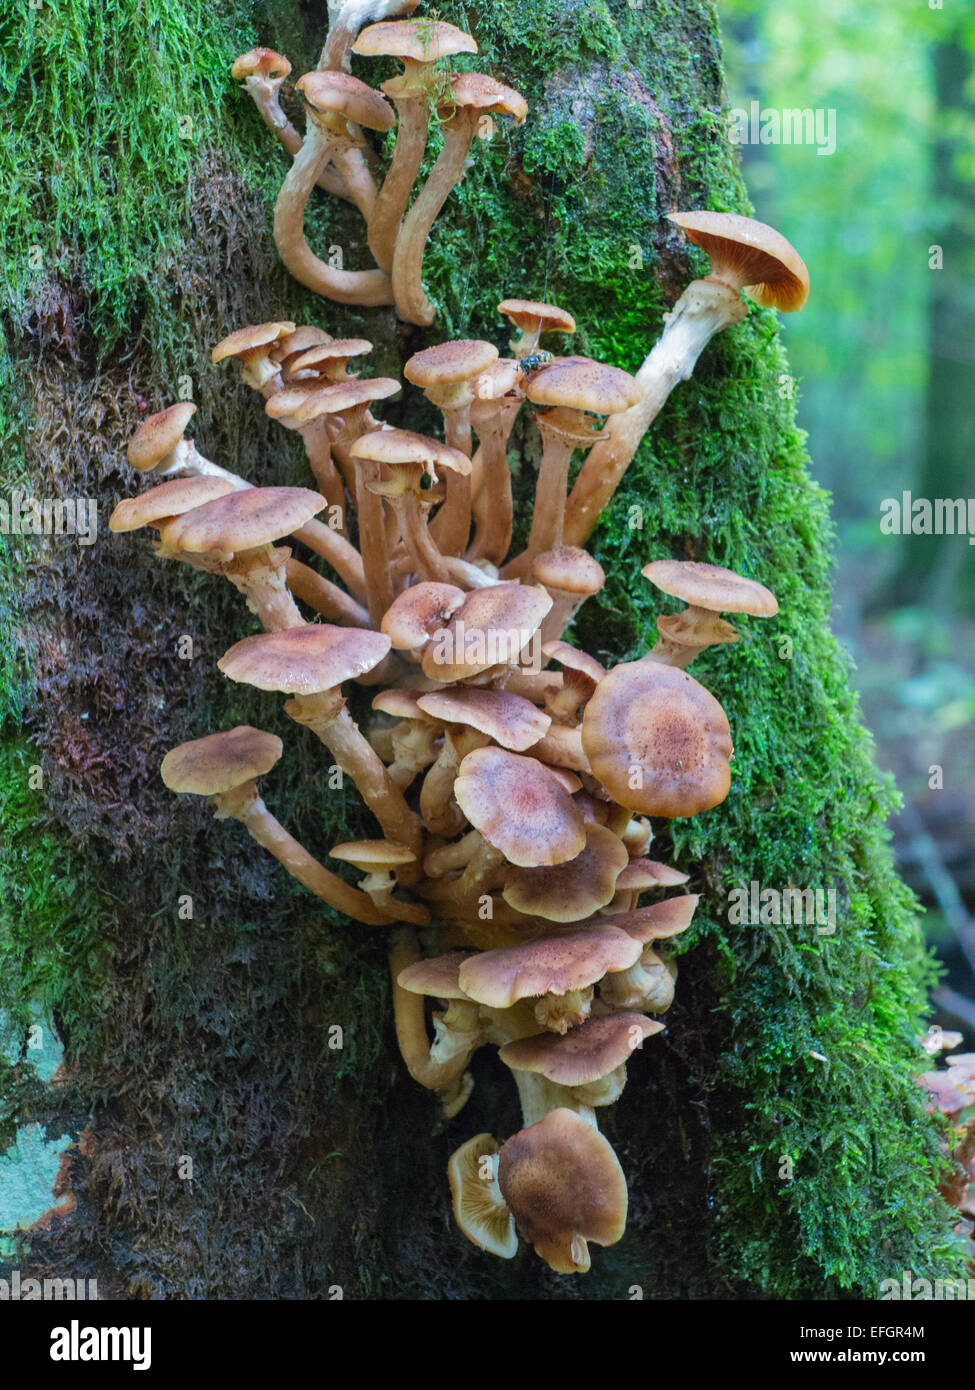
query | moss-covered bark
(146,179)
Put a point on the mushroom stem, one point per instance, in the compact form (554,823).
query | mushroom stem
(390,205)
(451,527)
(409,1016)
(325,597)
(704,309)
(539,1096)
(411,302)
(266,97)
(549,509)
(260,576)
(327,717)
(372,542)
(493,508)
(368,287)
(245,805)
(426,554)
(319,452)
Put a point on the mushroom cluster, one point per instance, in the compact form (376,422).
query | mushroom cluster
(513,779)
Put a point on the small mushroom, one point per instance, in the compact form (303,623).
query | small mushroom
(589,1060)
(519,807)
(418,613)
(708,590)
(564,1186)
(252,349)
(581,673)
(530,320)
(378,860)
(479,1209)
(573,891)
(571,576)
(458,1030)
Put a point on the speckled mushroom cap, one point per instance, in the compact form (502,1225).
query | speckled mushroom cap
(564,1186)
(447,364)
(554,965)
(437,977)
(372,854)
(249,340)
(657,740)
(394,447)
(533,317)
(413,40)
(220,762)
(749,255)
(640,874)
(478,92)
(575,659)
(712,587)
(519,807)
(511,720)
(490,628)
(304,660)
(658,921)
(339,93)
(581,384)
(400,704)
(303,338)
(352,394)
(260,62)
(497,380)
(420,611)
(573,891)
(285,404)
(243,520)
(570,571)
(479,1209)
(583,1054)
(158,435)
(168,499)
(331,356)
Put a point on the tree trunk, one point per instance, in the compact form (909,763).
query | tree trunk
(774,1141)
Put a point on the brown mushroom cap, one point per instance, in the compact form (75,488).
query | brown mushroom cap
(420,611)
(335,353)
(476,91)
(564,1186)
(401,704)
(344,95)
(479,1209)
(712,587)
(243,520)
(648,873)
(344,395)
(570,570)
(656,922)
(220,762)
(519,807)
(581,384)
(575,659)
(158,435)
(532,317)
(749,255)
(583,1054)
(438,977)
(511,720)
(573,891)
(394,447)
(260,62)
(446,364)
(555,965)
(490,628)
(372,854)
(657,740)
(168,499)
(419,40)
(304,660)
(303,338)
(247,340)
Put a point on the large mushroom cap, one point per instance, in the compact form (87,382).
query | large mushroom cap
(352,394)
(420,611)
(418,40)
(510,720)
(749,255)
(394,447)
(168,499)
(346,96)
(533,317)
(564,1186)
(492,627)
(446,364)
(304,660)
(248,340)
(711,586)
(584,1054)
(657,740)
(158,435)
(656,922)
(243,520)
(519,807)
(570,570)
(573,891)
(479,1208)
(556,965)
(220,762)
(578,383)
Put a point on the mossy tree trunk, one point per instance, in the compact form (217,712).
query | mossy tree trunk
(208,1036)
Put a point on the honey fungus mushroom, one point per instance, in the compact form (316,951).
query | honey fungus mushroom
(564,1187)
(658,741)
(589,1060)
(479,1209)
(707,590)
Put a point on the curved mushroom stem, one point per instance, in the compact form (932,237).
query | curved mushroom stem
(394,195)
(372,541)
(409,1015)
(244,804)
(265,93)
(704,309)
(325,597)
(411,302)
(327,717)
(548,511)
(451,527)
(368,287)
(493,508)
(423,549)
(319,453)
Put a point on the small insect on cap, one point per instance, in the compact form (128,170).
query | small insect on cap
(532,319)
